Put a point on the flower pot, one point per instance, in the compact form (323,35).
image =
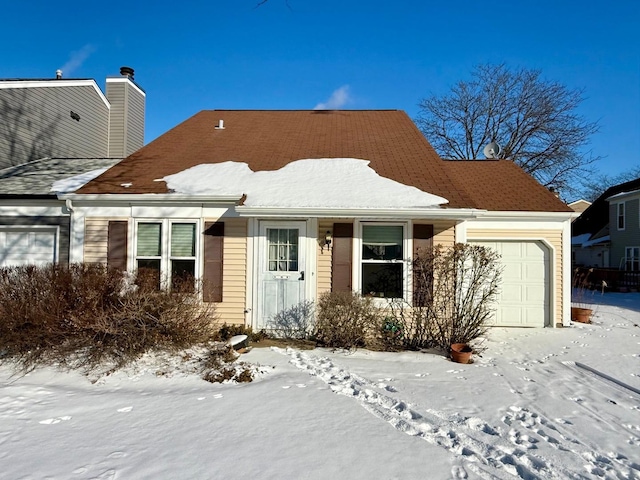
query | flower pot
(460,352)
(582,315)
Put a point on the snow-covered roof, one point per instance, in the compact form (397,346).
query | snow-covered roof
(51,175)
(322,183)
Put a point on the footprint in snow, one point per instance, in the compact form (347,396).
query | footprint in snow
(458,472)
(125,409)
(53,421)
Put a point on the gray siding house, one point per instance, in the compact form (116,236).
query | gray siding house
(624,229)
(55,135)
(70,118)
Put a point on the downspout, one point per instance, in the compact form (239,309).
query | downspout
(69,205)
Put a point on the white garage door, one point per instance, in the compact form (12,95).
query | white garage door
(20,246)
(524,297)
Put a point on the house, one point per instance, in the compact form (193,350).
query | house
(34,222)
(52,129)
(624,227)
(70,118)
(579,206)
(271,208)
(606,221)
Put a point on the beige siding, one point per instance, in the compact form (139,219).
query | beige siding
(323,255)
(553,237)
(96,232)
(234,274)
(38,123)
(444,231)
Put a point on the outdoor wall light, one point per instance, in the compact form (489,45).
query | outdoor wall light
(327,240)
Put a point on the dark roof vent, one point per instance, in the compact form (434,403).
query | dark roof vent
(58,74)
(126,72)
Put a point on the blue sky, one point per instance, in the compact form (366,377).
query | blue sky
(226,54)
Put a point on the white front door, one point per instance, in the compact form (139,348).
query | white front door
(281,278)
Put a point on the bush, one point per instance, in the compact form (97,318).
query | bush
(345,320)
(460,285)
(227,331)
(295,322)
(219,366)
(85,315)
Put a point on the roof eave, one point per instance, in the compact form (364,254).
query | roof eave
(333,212)
(146,198)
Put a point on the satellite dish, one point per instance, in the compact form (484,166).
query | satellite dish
(492,150)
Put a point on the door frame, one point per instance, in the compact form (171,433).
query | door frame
(256,238)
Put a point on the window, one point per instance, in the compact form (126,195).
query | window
(168,261)
(382,267)
(283,249)
(621,216)
(632,259)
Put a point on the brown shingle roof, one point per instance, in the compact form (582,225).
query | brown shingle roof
(268,140)
(502,185)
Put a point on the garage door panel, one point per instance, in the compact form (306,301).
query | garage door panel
(524,298)
(515,272)
(27,247)
(512,293)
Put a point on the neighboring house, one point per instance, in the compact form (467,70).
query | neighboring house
(70,118)
(34,223)
(271,208)
(593,235)
(50,130)
(579,206)
(624,229)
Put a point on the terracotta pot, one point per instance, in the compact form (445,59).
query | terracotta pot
(460,352)
(582,315)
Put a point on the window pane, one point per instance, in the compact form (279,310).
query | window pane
(148,273)
(382,280)
(382,242)
(183,239)
(282,249)
(149,239)
(183,275)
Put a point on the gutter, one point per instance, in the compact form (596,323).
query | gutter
(146,198)
(337,212)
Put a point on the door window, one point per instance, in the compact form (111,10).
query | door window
(283,249)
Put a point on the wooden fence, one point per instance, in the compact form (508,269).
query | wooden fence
(615,280)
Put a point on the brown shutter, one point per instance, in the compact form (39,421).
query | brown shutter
(341,259)
(213,252)
(117,244)
(422,281)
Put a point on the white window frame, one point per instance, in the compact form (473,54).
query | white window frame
(633,258)
(621,215)
(165,256)
(405,261)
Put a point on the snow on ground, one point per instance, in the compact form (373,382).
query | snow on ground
(325,182)
(539,403)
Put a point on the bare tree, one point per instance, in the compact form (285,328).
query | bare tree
(533,120)
(594,186)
